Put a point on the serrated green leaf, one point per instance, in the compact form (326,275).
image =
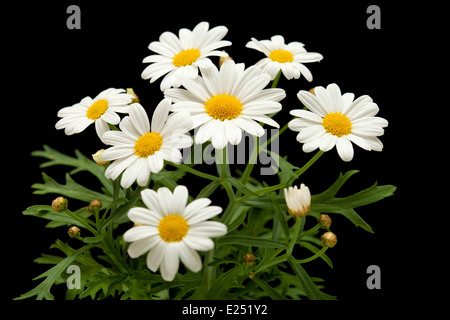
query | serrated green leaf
(100,281)
(325,202)
(46,212)
(71,190)
(42,291)
(80,163)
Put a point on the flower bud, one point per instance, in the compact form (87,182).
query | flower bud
(136,98)
(324,221)
(223,59)
(60,204)
(298,200)
(249,259)
(95,205)
(329,239)
(98,158)
(74,232)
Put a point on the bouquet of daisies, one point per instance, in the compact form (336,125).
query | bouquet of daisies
(148,234)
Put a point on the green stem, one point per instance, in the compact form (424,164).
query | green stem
(119,213)
(210,270)
(275,81)
(251,163)
(312,230)
(302,170)
(276,135)
(193,171)
(222,164)
(317,255)
(298,228)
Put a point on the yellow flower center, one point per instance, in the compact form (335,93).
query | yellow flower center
(281,56)
(173,228)
(223,106)
(97,109)
(148,144)
(186,57)
(337,124)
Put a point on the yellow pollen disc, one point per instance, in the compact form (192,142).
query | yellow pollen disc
(281,56)
(173,228)
(223,106)
(148,144)
(337,124)
(97,109)
(186,57)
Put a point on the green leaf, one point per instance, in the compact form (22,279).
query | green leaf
(311,289)
(240,186)
(251,242)
(71,190)
(80,163)
(287,170)
(46,212)
(280,214)
(96,239)
(271,292)
(222,282)
(325,202)
(331,191)
(42,291)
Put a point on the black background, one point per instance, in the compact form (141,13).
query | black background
(54,67)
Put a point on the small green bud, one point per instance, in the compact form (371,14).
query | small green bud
(249,259)
(74,232)
(95,205)
(324,221)
(329,239)
(136,98)
(98,158)
(60,204)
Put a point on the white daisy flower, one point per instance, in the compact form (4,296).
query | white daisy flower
(101,110)
(224,102)
(337,120)
(140,149)
(183,54)
(289,58)
(170,230)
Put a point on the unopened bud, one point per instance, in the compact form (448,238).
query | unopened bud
(324,221)
(98,158)
(329,239)
(95,205)
(223,59)
(249,259)
(60,204)
(136,98)
(251,275)
(74,232)
(298,200)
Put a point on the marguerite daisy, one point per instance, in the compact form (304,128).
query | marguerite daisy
(337,120)
(289,58)
(224,102)
(140,149)
(101,110)
(183,54)
(170,230)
